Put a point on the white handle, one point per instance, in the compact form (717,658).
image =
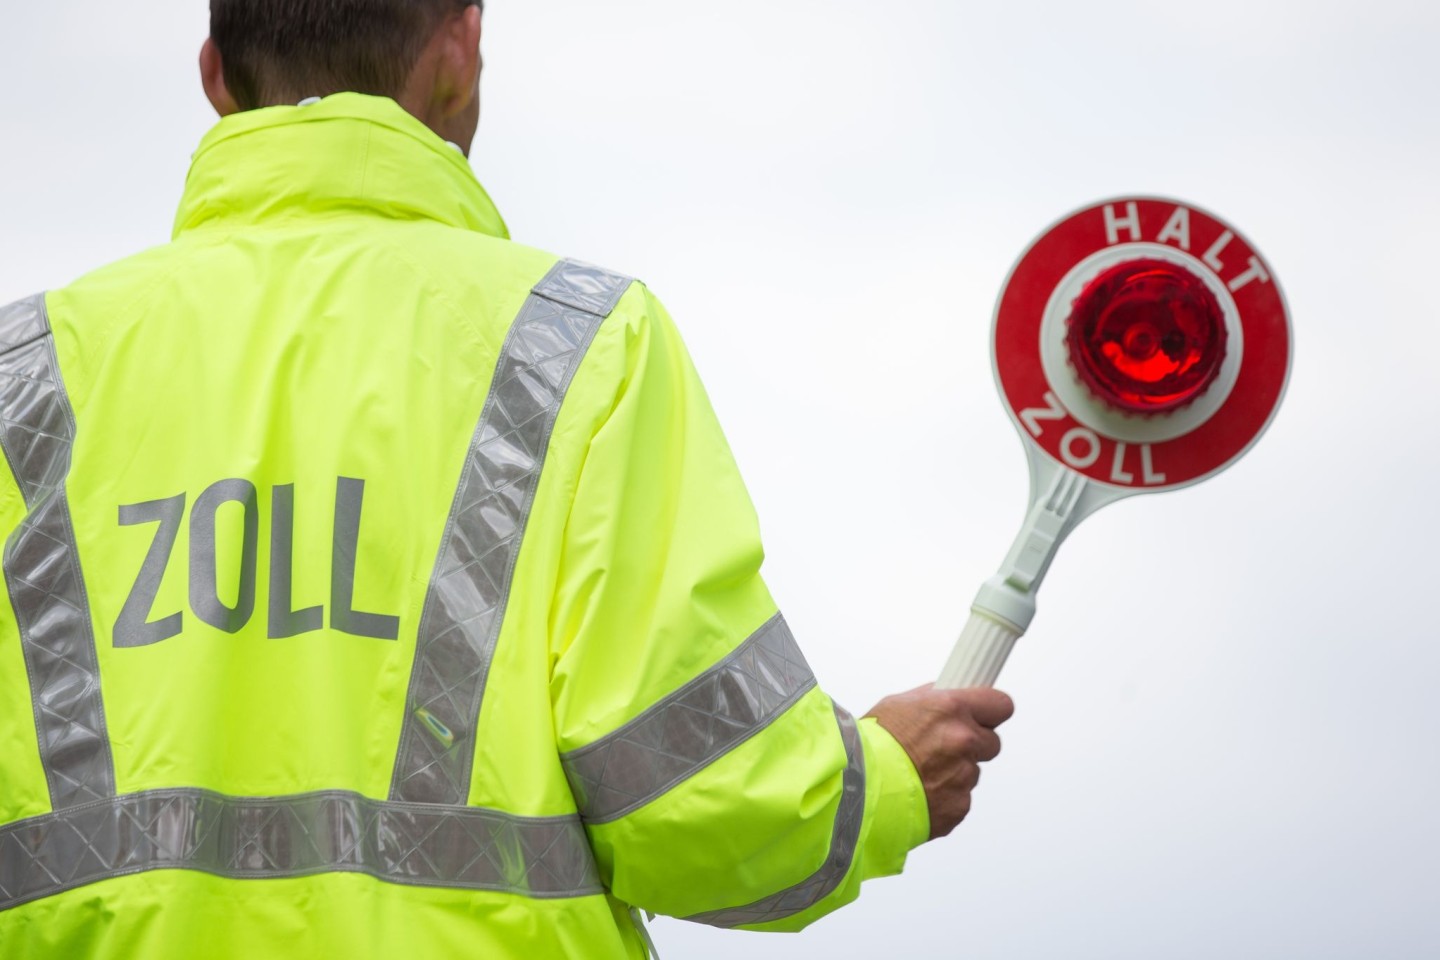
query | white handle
(979,654)
(1005,604)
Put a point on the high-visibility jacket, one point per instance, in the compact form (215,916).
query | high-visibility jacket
(379,587)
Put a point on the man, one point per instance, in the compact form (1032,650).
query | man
(380,587)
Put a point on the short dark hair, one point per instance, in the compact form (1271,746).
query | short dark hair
(275,50)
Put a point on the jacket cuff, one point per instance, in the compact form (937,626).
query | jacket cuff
(894,803)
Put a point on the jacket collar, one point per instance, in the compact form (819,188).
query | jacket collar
(347,154)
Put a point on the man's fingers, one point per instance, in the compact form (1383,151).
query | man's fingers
(970,741)
(989,742)
(991,707)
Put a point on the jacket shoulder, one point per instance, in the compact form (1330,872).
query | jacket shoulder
(490,262)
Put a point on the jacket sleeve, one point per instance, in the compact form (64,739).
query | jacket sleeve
(717,781)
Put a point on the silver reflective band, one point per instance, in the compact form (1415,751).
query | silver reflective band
(264,838)
(42,564)
(843,839)
(583,287)
(36,429)
(692,727)
(470,586)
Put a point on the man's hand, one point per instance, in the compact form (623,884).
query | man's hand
(948,734)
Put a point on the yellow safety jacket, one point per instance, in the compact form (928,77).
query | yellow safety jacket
(379,587)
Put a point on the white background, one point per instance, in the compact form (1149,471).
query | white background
(1226,743)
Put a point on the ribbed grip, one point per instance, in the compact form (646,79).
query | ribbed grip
(979,654)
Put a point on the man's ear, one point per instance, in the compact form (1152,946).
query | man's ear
(212,78)
(459,61)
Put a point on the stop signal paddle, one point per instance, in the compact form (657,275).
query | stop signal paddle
(1140,345)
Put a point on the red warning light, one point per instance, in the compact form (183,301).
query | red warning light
(1147,336)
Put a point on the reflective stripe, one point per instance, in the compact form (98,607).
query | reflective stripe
(843,840)
(583,287)
(42,564)
(692,727)
(246,838)
(35,426)
(471,582)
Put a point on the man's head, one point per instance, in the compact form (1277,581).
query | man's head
(424,54)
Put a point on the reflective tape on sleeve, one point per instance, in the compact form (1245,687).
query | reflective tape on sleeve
(246,838)
(470,586)
(42,563)
(691,728)
(843,840)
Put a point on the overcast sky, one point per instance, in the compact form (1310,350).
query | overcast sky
(1226,743)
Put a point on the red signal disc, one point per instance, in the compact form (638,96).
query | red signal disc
(1146,336)
(1146,341)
